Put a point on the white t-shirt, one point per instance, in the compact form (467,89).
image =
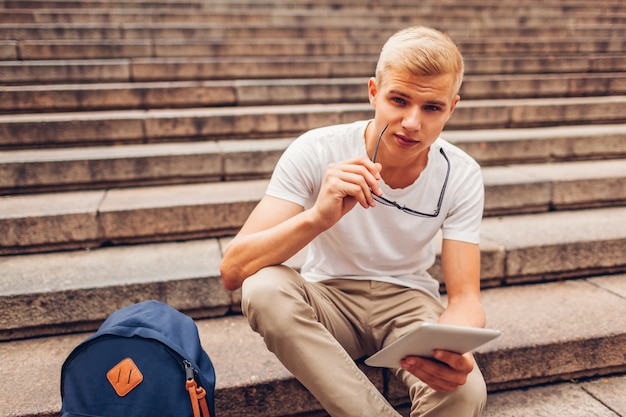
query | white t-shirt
(381,243)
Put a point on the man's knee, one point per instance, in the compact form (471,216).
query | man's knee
(269,294)
(468,399)
(472,395)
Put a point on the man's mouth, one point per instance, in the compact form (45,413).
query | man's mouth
(406,141)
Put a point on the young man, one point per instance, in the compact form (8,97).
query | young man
(369,198)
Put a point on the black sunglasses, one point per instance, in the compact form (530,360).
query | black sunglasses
(405,209)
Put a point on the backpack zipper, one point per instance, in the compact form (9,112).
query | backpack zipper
(190,373)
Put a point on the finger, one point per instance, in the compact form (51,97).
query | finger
(437,375)
(345,186)
(434,380)
(372,173)
(462,363)
(358,180)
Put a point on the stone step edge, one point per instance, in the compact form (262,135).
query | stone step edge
(100,31)
(576,398)
(71,169)
(516,249)
(250,379)
(307,15)
(170,69)
(157,48)
(99,4)
(140,126)
(44,222)
(320,18)
(179,94)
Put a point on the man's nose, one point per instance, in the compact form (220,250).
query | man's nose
(412,119)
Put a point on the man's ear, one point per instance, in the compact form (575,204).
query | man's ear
(453,106)
(372,89)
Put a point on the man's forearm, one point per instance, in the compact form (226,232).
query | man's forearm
(248,253)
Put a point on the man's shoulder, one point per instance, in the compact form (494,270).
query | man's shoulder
(333,142)
(335,131)
(457,154)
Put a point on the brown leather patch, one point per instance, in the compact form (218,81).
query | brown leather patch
(124,377)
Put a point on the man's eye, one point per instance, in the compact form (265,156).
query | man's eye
(432,108)
(399,100)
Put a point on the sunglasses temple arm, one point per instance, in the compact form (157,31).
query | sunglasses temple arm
(378,142)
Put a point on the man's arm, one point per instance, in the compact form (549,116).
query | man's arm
(277,229)
(460,262)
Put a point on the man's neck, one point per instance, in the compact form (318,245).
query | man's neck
(405,173)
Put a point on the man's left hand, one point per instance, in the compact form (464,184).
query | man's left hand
(445,373)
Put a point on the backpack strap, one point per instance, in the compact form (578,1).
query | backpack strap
(202,400)
(197,395)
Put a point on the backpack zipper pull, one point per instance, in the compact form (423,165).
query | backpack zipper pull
(189,374)
(197,395)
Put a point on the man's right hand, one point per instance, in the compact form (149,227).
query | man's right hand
(345,184)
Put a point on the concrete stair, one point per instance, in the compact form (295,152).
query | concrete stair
(213,68)
(164,48)
(139,126)
(17,32)
(93,218)
(137,135)
(538,319)
(515,249)
(190,94)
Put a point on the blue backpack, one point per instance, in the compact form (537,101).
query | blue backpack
(145,360)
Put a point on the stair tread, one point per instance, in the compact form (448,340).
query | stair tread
(90,218)
(514,249)
(137,136)
(259,109)
(101,127)
(462,138)
(139,48)
(179,94)
(243,363)
(527,186)
(599,397)
(50,31)
(195,68)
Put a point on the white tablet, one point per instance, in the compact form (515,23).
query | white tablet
(428,337)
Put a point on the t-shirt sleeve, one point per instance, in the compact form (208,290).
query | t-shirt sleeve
(465,216)
(297,173)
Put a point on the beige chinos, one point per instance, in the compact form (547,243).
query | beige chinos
(318,330)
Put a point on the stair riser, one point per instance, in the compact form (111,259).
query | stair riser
(514,15)
(110,49)
(21,32)
(179,69)
(95,218)
(247,93)
(197,287)
(44,171)
(247,123)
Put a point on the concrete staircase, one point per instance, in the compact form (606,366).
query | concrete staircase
(137,135)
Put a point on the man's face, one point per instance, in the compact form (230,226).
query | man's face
(415,107)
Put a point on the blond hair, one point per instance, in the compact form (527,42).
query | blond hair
(423,52)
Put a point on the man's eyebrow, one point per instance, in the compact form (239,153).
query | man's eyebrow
(432,102)
(437,103)
(399,93)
